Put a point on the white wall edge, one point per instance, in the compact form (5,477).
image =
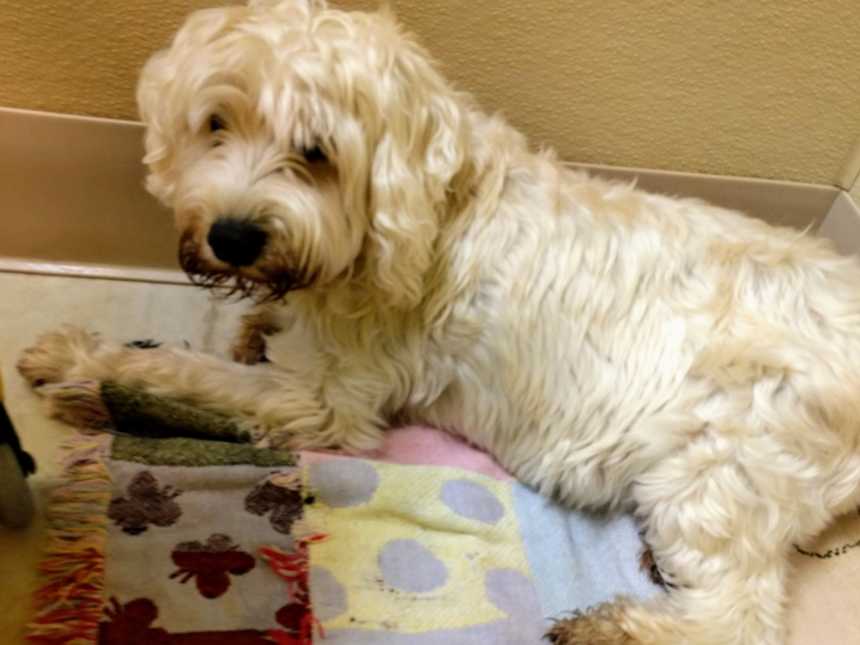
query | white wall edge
(93,271)
(850,170)
(842,225)
(74,202)
(785,203)
(71,118)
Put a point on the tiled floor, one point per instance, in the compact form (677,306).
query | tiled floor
(30,305)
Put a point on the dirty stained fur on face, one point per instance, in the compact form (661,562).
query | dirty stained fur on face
(612,348)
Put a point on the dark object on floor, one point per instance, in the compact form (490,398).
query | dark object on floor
(145,343)
(16,500)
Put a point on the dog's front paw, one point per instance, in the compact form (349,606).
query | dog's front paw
(250,349)
(55,355)
(249,346)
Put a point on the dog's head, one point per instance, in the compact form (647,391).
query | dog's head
(299,145)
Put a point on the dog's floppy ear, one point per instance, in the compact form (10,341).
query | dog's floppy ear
(420,148)
(163,104)
(159,133)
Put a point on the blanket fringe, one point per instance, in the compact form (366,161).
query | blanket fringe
(69,604)
(294,569)
(78,403)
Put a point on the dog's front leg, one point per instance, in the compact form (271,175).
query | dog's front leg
(282,405)
(249,346)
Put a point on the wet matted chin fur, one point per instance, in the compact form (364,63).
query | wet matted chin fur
(223,283)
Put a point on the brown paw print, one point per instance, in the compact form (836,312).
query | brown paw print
(146,503)
(211,564)
(284,502)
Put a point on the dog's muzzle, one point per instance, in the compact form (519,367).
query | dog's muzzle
(234,275)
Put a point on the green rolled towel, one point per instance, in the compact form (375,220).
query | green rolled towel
(132,411)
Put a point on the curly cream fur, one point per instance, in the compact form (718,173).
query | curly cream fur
(610,347)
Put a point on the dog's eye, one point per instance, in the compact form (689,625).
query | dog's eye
(216,123)
(314,155)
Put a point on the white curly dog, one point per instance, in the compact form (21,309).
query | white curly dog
(612,348)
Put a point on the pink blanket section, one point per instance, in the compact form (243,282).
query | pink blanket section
(425,446)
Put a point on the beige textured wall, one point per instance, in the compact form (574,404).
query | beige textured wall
(81,56)
(764,88)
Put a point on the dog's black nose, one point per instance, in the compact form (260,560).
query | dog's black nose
(237,242)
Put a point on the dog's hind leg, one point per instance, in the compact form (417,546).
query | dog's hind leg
(286,407)
(722,544)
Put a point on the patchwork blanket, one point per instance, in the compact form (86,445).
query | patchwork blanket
(428,541)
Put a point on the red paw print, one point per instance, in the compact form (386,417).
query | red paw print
(211,564)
